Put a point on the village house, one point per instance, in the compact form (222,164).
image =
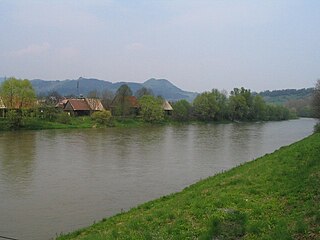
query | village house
(81,106)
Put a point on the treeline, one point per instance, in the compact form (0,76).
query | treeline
(297,100)
(240,105)
(304,92)
(22,107)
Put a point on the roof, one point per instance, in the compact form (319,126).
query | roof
(2,106)
(95,104)
(79,104)
(166,106)
(62,103)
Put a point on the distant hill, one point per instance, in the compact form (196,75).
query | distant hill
(160,87)
(285,95)
(298,100)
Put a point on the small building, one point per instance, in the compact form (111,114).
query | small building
(83,106)
(167,107)
(3,108)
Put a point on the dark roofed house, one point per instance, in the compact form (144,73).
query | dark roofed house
(83,106)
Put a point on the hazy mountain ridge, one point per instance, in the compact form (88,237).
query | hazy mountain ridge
(161,87)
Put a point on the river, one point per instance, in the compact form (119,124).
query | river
(55,181)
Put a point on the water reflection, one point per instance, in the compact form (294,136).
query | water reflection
(17,156)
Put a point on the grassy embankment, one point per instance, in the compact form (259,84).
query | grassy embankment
(274,197)
(73,122)
(87,122)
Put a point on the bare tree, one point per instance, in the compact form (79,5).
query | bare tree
(107,97)
(143,91)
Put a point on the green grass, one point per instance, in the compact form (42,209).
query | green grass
(274,197)
(76,122)
(38,124)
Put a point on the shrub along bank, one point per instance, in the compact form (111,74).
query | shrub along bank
(274,197)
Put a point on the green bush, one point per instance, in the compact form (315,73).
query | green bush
(64,118)
(102,118)
(14,119)
(151,109)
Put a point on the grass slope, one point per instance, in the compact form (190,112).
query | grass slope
(274,197)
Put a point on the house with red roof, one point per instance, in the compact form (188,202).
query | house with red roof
(83,106)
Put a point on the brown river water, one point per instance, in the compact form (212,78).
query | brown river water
(55,181)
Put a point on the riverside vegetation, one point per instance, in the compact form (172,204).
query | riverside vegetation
(22,112)
(273,197)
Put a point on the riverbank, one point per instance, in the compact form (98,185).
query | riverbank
(273,197)
(88,122)
(69,123)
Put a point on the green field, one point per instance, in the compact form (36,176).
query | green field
(274,197)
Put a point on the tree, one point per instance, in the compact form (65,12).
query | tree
(124,91)
(182,110)
(238,107)
(121,101)
(258,110)
(107,97)
(17,94)
(316,100)
(205,106)
(240,104)
(143,91)
(302,107)
(222,102)
(15,120)
(93,94)
(53,98)
(151,109)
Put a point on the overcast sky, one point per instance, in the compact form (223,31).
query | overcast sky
(197,45)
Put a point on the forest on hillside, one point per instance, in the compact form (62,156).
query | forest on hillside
(297,100)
